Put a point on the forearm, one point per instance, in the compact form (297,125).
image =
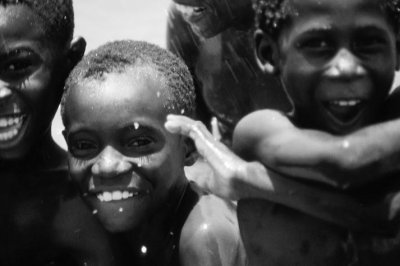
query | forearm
(258,182)
(340,161)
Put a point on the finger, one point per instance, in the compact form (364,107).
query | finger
(186,126)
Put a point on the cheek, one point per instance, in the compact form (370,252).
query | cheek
(79,169)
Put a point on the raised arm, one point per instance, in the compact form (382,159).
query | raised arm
(237,179)
(341,161)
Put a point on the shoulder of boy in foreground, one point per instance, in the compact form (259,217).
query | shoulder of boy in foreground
(210,236)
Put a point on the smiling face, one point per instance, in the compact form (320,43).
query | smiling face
(124,161)
(30,81)
(210,17)
(336,60)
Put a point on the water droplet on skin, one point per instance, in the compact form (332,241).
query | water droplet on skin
(143,249)
(346,144)
(136,125)
(204,226)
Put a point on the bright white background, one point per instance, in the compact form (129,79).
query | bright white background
(100,21)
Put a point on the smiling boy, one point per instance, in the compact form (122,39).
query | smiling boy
(130,169)
(37,201)
(336,60)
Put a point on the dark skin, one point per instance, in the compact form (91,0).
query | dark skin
(130,170)
(227,78)
(43,219)
(317,63)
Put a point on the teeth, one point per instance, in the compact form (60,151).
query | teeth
(10,121)
(346,103)
(190,9)
(115,195)
(8,135)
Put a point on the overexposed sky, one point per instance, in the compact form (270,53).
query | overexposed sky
(100,21)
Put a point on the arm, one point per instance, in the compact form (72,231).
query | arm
(211,235)
(341,161)
(237,179)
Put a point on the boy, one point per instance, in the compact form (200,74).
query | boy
(130,170)
(215,39)
(37,226)
(336,60)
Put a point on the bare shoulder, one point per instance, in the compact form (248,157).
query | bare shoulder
(211,235)
(255,127)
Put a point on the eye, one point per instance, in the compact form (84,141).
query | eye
(369,44)
(139,142)
(83,148)
(19,65)
(316,46)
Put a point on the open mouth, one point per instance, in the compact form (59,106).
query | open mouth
(191,11)
(116,194)
(345,111)
(12,117)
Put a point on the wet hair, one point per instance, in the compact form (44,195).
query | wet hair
(119,56)
(272,15)
(57,17)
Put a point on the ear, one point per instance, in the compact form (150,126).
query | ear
(266,52)
(191,154)
(76,51)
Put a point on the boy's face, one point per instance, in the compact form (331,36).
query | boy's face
(30,81)
(337,61)
(122,158)
(210,17)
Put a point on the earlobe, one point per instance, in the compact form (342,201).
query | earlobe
(76,51)
(191,154)
(265,50)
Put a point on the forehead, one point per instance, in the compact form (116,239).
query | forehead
(19,23)
(338,14)
(136,92)
(338,7)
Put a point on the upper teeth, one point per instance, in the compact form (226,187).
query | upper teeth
(347,103)
(189,9)
(115,195)
(10,121)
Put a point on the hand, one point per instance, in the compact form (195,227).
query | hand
(225,164)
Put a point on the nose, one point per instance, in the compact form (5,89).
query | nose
(345,65)
(110,163)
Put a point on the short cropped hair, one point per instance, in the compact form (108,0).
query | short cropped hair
(118,56)
(57,17)
(271,15)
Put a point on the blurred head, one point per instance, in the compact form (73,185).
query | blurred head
(127,166)
(336,59)
(210,17)
(36,54)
